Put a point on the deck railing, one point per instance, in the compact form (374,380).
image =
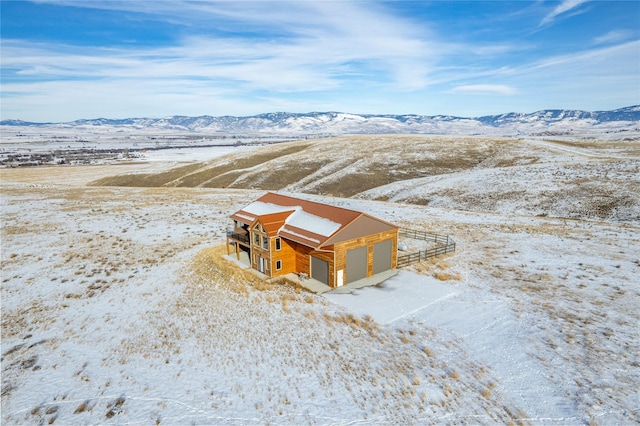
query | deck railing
(443,244)
(243,238)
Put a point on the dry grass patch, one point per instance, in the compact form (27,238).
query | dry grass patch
(279,176)
(447,276)
(225,171)
(210,264)
(147,179)
(369,162)
(224,180)
(365,323)
(84,406)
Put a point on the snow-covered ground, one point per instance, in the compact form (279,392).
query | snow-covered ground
(487,325)
(118,308)
(22,145)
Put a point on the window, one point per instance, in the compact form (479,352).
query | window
(278,243)
(265,243)
(278,265)
(256,239)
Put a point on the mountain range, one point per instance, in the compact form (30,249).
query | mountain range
(545,122)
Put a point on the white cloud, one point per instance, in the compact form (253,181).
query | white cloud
(613,37)
(300,56)
(597,79)
(306,46)
(563,7)
(485,89)
(611,60)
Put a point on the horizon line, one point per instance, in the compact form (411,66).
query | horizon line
(3,122)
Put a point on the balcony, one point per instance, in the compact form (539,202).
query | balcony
(243,238)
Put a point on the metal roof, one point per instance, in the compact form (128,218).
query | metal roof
(307,222)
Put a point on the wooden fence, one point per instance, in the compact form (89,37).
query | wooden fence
(444,245)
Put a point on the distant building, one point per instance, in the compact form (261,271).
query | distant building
(278,235)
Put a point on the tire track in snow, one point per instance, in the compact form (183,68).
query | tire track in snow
(579,151)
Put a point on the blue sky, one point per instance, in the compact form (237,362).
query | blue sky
(68,59)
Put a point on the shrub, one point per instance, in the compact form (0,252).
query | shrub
(447,276)
(82,407)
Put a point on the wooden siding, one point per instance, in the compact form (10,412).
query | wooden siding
(369,241)
(287,254)
(303,259)
(336,255)
(296,257)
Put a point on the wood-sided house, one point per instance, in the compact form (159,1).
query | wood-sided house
(336,246)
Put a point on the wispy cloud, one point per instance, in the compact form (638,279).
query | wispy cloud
(603,60)
(301,43)
(303,48)
(563,7)
(606,74)
(246,57)
(485,89)
(613,36)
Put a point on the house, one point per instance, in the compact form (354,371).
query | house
(279,235)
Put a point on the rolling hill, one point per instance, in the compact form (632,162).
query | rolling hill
(588,180)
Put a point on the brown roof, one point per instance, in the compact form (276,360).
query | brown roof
(274,221)
(307,222)
(335,214)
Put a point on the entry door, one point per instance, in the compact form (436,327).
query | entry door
(356,264)
(261,264)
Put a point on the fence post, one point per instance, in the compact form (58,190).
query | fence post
(444,245)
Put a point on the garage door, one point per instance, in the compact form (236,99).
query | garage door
(356,264)
(320,270)
(382,256)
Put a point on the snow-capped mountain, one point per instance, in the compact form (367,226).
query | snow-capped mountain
(337,123)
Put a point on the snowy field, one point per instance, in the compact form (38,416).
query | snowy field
(117,308)
(50,145)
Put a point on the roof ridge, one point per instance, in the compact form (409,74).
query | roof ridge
(323,205)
